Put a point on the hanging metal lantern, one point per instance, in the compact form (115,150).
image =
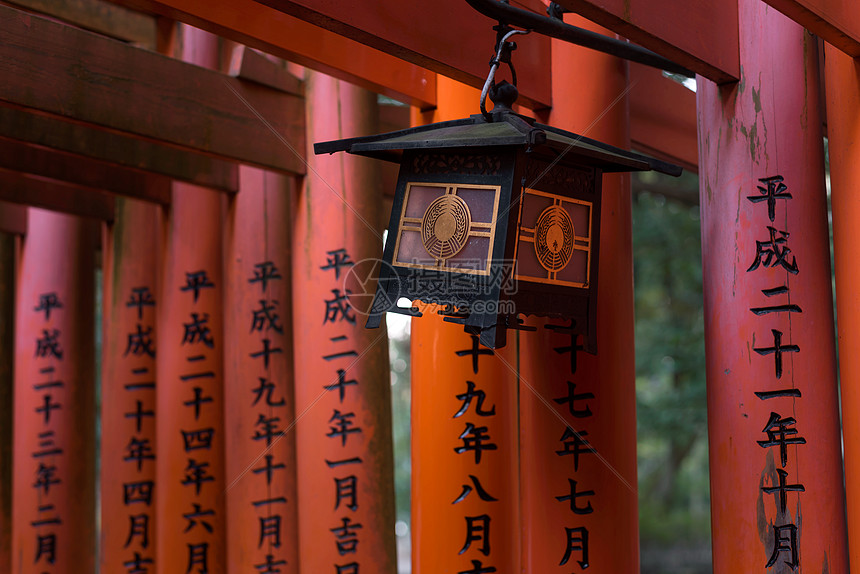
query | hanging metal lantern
(494,216)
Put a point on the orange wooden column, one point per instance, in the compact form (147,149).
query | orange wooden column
(842,77)
(258,378)
(343,403)
(128,453)
(777,498)
(465,507)
(54,526)
(190,511)
(578,414)
(7,353)
(190,520)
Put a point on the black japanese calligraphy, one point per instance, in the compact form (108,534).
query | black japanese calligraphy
(47,302)
(784,540)
(195,281)
(576,509)
(478,488)
(476,440)
(773,189)
(343,426)
(574,444)
(337,259)
(478,530)
(577,541)
(263,273)
(346,538)
(466,399)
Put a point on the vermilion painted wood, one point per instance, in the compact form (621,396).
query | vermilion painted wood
(128,395)
(78,170)
(842,78)
(26,189)
(836,21)
(703,36)
(343,430)
(7,348)
(446,485)
(662,117)
(54,454)
(113,148)
(448,37)
(261,508)
(192,244)
(604,412)
(264,28)
(191,479)
(769,125)
(100,81)
(454,523)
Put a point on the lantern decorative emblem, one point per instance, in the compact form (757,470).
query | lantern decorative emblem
(553,239)
(445,227)
(495,216)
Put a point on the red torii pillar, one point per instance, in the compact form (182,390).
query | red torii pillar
(54,526)
(842,78)
(190,477)
(258,377)
(128,457)
(343,390)
(7,381)
(776,471)
(465,487)
(580,508)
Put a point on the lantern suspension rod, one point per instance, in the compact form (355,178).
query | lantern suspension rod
(552,26)
(494,65)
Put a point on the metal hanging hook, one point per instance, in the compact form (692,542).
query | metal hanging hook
(503,55)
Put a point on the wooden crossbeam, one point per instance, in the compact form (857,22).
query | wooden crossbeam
(253,66)
(702,36)
(366,43)
(78,170)
(446,36)
(663,117)
(99,16)
(116,148)
(25,189)
(13,218)
(274,32)
(72,73)
(837,21)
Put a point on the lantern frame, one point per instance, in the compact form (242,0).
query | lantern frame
(516,156)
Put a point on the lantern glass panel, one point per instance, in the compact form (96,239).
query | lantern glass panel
(554,239)
(447,227)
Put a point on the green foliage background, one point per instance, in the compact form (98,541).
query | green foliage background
(674,502)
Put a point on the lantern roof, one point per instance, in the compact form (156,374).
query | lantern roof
(506,129)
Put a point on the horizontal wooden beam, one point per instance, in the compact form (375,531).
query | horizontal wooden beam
(13,218)
(115,148)
(99,16)
(24,189)
(253,66)
(446,36)
(702,36)
(66,71)
(663,117)
(274,32)
(836,21)
(45,162)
